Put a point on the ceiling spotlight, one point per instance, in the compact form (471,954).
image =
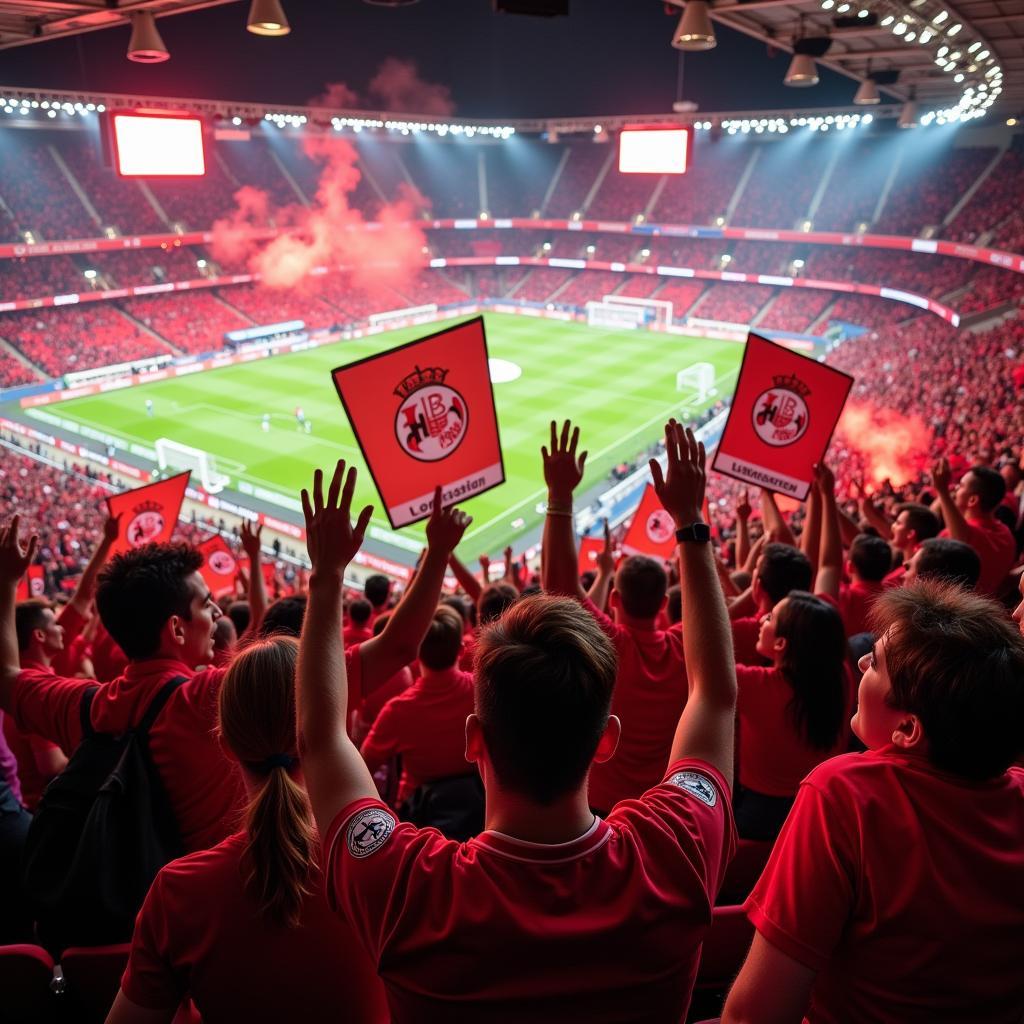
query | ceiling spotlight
(974,46)
(940,17)
(867,93)
(953,29)
(694,31)
(266,18)
(887,21)
(802,71)
(908,115)
(146,46)
(899,28)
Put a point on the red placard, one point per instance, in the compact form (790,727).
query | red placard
(220,566)
(148,514)
(32,584)
(590,549)
(652,531)
(783,413)
(423,414)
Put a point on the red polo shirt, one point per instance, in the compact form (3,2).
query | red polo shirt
(206,793)
(774,756)
(650,694)
(855,600)
(426,725)
(232,963)
(995,547)
(901,886)
(606,927)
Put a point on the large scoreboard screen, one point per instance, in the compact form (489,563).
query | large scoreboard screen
(153,144)
(655,150)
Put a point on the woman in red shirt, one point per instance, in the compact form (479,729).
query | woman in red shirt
(791,715)
(243,929)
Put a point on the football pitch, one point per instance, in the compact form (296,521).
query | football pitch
(618,385)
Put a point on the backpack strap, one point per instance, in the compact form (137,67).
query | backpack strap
(85,712)
(157,705)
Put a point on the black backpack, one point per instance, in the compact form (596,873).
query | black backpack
(103,829)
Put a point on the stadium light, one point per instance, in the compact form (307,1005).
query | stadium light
(694,31)
(266,18)
(802,71)
(867,93)
(908,115)
(145,45)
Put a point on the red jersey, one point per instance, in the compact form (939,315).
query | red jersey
(774,757)
(605,927)
(650,694)
(745,632)
(233,964)
(204,790)
(895,578)
(372,704)
(355,635)
(901,886)
(855,600)
(66,661)
(426,725)
(995,547)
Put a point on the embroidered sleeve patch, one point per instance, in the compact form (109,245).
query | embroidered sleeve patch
(368,831)
(697,785)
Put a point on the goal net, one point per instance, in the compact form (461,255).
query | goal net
(699,380)
(659,311)
(174,455)
(606,314)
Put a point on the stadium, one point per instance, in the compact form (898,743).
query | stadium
(181,304)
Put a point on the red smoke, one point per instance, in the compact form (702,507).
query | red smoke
(337,96)
(232,240)
(399,87)
(894,447)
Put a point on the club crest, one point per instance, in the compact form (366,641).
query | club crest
(222,563)
(660,527)
(432,417)
(146,524)
(368,831)
(781,414)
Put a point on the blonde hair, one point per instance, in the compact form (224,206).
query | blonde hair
(257,722)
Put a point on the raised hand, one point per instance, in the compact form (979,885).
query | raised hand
(606,557)
(250,538)
(332,539)
(15,557)
(485,566)
(445,526)
(743,508)
(824,479)
(680,488)
(111,528)
(942,476)
(563,470)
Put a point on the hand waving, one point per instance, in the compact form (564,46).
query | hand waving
(824,479)
(606,557)
(743,508)
(681,488)
(446,526)
(332,539)
(563,470)
(111,527)
(15,558)
(942,476)
(250,538)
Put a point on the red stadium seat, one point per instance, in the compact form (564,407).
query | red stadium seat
(725,948)
(25,976)
(92,977)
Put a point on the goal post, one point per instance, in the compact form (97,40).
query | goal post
(175,455)
(699,379)
(606,314)
(660,310)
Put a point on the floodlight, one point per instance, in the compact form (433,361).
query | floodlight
(266,18)
(867,93)
(802,71)
(694,31)
(908,115)
(145,45)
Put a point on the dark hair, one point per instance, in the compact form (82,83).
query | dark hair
(285,615)
(674,608)
(29,616)
(459,604)
(376,590)
(440,647)
(921,519)
(942,558)
(989,486)
(138,591)
(380,622)
(240,614)
(782,568)
(813,664)
(359,612)
(957,662)
(641,583)
(871,557)
(494,599)
(544,678)
(256,717)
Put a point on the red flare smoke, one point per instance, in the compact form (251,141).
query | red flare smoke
(893,446)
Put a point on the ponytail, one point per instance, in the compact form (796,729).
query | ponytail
(257,722)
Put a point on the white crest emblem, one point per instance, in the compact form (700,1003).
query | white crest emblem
(368,831)
(697,785)
(780,413)
(432,419)
(660,527)
(222,563)
(145,527)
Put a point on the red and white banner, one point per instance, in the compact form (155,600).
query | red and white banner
(148,514)
(32,584)
(652,531)
(781,419)
(220,566)
(424,415)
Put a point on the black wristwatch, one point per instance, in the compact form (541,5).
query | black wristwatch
(698,532)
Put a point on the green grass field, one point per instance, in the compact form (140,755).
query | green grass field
(618,385)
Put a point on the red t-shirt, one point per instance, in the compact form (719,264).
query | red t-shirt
(65,662)
(774,756)
(650,694)
(855,600)
(901,886)
(372,704)
(995,547)
(232,963)
(605,927)
(426,725)
(206,793)
(745,632)
(355,635)
(895,578)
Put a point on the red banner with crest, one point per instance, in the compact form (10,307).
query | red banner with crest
(148,514)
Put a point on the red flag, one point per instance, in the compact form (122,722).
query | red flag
(31,584)
(148,514)
(781,419)
(219,566)
(590,548)
(424,415)
(652,531)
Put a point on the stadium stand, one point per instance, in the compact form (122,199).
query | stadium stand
(194,322)
(578,176)
(796,309)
